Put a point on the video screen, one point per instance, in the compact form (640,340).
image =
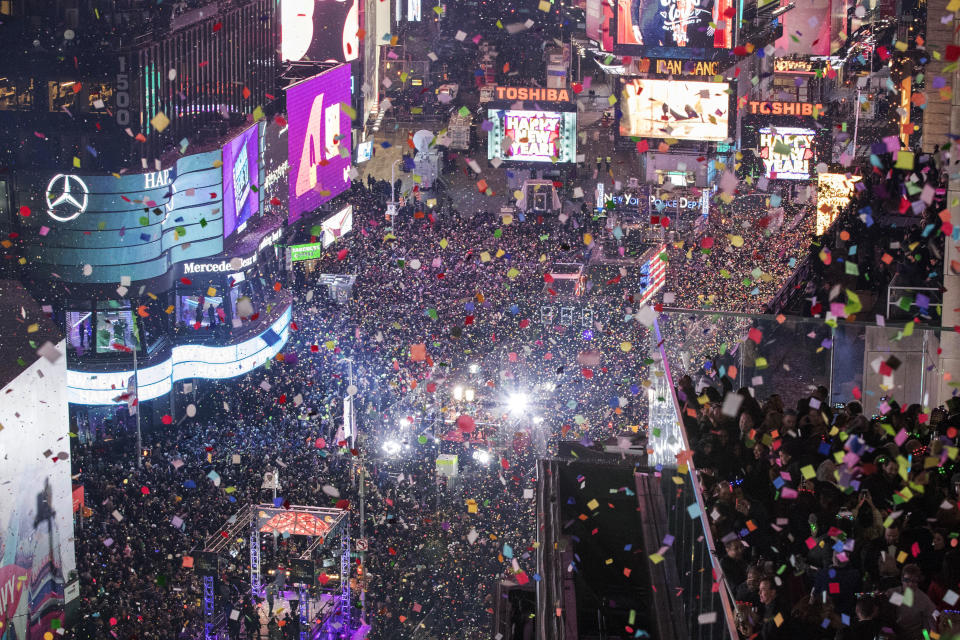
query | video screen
(317,131)
(320,30)
(337,225)
(674,24)
(675,109)
(786,152)
(116,331)
(241,178)
(532,136)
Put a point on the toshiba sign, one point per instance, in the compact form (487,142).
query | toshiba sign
(786,108)
(533,93)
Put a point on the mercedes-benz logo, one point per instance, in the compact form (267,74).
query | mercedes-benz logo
(67,197)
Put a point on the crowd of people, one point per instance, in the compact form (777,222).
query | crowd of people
(829,523)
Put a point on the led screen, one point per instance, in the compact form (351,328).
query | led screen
(364,151)
(672,24)
(786,152)
(318,136)
(185,361)
(320,30)
(241,180)
(337,225)
(532,136)
(675,109)
(37,553)
(100,228)
(834,193)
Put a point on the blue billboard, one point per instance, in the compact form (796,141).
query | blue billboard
(101,228)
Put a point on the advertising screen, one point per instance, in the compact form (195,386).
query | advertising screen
(337,225)
(532,136)
(320,30)
(241,180)
(36,502)
(675,109)
(311,251)
(100,228)
(834,193)
(693,25)
(806,29)
(364,151)
(319,139)
(786,152)
(186,361)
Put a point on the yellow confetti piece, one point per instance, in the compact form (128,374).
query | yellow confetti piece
(593,504)
(160,121)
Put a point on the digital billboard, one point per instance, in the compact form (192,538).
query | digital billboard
(320,30)
(185,362)
(834,193)
(337,225)
(241,180)
(786,152)
(37,555)
(532,136)
(598,19)
(318,138)
(694,25)
(100,228)
(675,109)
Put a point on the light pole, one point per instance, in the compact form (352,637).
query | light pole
(392,205)
(350,417)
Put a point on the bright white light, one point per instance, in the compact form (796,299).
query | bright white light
(468,394)
(537,419)
(518,403)
(391,447)
(474,368)
(403,423)
(481,456)
(458,393)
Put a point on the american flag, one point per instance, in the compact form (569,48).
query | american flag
(653,274)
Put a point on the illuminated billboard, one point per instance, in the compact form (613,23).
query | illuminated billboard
(337,225)
(834,193)
(186,361)
(318,136)
(786,152)
(37,554)
(598,18)
(532,136)
(320,30)
(695,25)
(101,228)
(241,180)
(675,109)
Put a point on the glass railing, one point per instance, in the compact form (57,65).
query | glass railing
(872,363)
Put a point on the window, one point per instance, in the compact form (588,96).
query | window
(61,94)
(101,97)
(199,311)
(16,96)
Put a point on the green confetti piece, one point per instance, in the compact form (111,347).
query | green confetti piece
(144,221)
(203,223)
(497,233)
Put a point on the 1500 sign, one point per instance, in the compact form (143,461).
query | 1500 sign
(123,93)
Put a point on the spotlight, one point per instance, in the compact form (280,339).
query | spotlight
(537,419)
(518,403)
(468,394)
(458,393)
(403,423)
(482,456)
(391,447)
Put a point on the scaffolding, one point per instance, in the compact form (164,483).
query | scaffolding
(324,525)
